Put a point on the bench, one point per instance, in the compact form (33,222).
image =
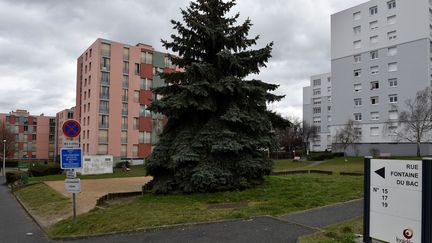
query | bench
(385,155)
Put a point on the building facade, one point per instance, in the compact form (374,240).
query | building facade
(61,117)
(34,135)
(380,57)
(113,96)
(317,111)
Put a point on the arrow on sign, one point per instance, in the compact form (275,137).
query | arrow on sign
(381,172)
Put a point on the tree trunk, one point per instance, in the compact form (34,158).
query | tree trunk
(418,149)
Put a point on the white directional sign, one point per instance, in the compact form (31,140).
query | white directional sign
(73,185)
(396,200)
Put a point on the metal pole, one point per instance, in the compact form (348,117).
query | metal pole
(4,157)
(74,206)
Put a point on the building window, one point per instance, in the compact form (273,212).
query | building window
(144,111)
(357,44)
(374,100)
(317,120)
(103,106)
(357,59)
(391,19)
(328,108)
(373,25)
(357,30)
(357,102)
(329,99)
(135,123)
(356,15)
(145,84)
(392,51)
(125,53)
(391,4)
(124,109)
(124,123)
(316,82)
(105,63)
(392,35)
(103,136)
(106,50)
(104,92)
(374,131)
(89,66)
(393,115)
(374,55)
(88,94)
(146,57)
(137,69)
(136,96)
(329,118)
(373,10)
(374,85)
(374,116)
(392,67)
(105,78)
(317,110)
(124,137)
(103,121)
(126,67)
(357,87)
(392,131)
(357,116)
(135,151)
(393,98)
(145,137)
(316,91)
(393,82)
(329,89)
(317,101)
(358,131)
(374,39)
(357,73)
(374,70)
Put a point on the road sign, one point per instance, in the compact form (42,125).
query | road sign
(396,200)
(71,128)
(73,185)
(71,174)
(70,144)
(70,158)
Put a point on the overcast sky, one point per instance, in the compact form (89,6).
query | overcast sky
(41,40)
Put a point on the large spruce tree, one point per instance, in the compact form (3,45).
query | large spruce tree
(219,127)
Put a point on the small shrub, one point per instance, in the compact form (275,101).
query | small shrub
(14,176)
(37,170)
(122,164)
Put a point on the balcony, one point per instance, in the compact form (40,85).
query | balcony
(103,110)
(103,125)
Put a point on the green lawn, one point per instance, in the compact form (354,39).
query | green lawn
(277,196)
(341,233)
(354,164)
(136,171)
(44,202)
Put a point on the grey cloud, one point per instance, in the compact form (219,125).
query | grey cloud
(40,41)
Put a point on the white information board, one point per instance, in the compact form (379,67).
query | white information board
(97,164)
(73,185)
(396,200)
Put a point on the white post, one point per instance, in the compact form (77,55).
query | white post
(4,157)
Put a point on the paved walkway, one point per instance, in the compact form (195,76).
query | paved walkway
(15,224)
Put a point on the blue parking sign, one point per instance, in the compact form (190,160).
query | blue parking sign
(71,158)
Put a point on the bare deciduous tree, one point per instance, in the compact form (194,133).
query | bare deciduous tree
(346,136)
(308,132)
(415,122)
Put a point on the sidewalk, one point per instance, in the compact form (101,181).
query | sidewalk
(15,224)
(286,228)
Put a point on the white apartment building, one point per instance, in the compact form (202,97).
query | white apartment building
(380,57)
(317,110)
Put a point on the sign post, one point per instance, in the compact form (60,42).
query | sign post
(397,206)
(71,159)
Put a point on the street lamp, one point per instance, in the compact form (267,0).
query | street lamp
(4,157)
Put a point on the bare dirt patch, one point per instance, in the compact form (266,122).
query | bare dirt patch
(228,205)
(91,190)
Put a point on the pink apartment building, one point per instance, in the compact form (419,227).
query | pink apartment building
(61,117)
(113,96)
(34,135)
